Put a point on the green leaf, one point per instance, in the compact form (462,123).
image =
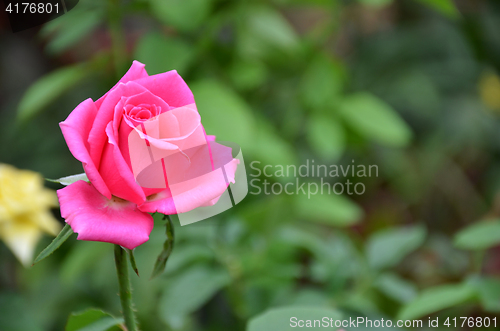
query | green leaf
(248,74)
(69,179)
(266,213)
(479,236)
(224,113)
(437,298)
(270,148)
(281,319)
(396,287)
(326,137)
(321,84)
(168,245)
(328,209)
(65,233)
(161,53)
(48,88)
(307,297)
(489,293)
(188,292)
(376,3)
(445,7)
(131,256)
(71,28)
(374,119)
(185,15)
(270,27)
(387,248)
(93,320)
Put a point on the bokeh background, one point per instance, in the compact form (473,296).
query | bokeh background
(411,86)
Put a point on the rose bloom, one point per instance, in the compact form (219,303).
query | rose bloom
(25,211)
(158,113)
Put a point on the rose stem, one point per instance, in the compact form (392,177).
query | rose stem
(125,288)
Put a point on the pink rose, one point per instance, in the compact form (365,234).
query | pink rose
(144,150)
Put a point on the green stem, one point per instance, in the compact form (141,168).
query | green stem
(119,47)
(125,288)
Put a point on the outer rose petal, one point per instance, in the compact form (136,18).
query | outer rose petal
(96,218)
(136,71)
(170,87)
(75,130)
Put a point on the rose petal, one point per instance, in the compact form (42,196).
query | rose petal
(123,141)
(170,87)
(75,130)
(200,188)
(135,71)
(185,159)
(116,172)
(161,202)
(97,137)
(147,98)
(124,129)
(96,218)
(208,188)
(178,128)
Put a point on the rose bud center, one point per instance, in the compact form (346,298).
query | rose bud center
(140,113)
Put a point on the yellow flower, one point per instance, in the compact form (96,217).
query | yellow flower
(25,211)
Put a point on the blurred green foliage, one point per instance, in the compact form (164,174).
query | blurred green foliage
(408,85)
